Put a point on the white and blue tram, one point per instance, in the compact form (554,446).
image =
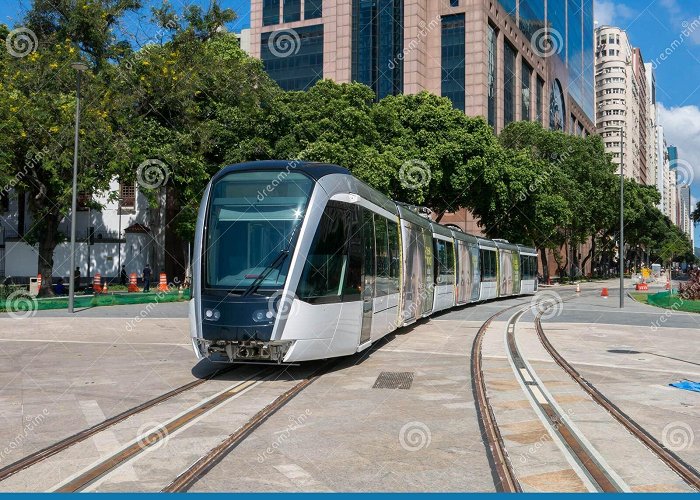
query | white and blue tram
(299,261)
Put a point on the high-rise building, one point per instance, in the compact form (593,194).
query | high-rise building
(506,61)
(622,91)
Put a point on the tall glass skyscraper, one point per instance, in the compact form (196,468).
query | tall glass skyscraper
(483,68)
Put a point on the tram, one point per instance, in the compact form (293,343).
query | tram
(297,261)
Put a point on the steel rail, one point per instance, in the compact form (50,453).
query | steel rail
(65,443)
(686,471)
(186,479)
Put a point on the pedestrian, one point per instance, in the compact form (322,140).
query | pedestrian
(146,278)
(123,276)
(76,279)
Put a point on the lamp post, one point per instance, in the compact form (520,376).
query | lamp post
(621,132)
(79,67)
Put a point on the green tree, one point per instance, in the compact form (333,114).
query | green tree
(39,92)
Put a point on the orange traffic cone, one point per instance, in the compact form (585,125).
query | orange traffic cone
(133,287)
(604,293)
(668,285)
(104,288)
(578,288)
(163,285)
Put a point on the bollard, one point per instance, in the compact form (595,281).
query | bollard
(133,287)
(97,283)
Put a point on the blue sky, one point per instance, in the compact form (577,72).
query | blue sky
(667,31)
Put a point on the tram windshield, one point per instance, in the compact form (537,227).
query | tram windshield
(254,219)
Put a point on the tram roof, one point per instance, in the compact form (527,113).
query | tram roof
(312,169)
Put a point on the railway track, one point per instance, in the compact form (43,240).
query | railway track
(688,473)
(597,472)
(43,454)
(86,478)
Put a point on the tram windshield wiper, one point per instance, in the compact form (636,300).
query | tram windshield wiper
(278,260)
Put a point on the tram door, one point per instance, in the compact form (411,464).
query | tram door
(368,275)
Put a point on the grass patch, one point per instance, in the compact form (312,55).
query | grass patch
(673,301)
(640,297)
(85,301)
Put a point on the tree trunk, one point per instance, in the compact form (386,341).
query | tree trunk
(588,257)
(545,265)
(48,239)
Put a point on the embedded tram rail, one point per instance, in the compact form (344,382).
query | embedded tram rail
(43,454)
(686,471)
(595,470)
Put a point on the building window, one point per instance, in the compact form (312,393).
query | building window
(271,12)
(127,195)
(531,18)
(299,67)
(526,78)
(454,3)
(453,64)
(539,100)
(292,11)
(509,83)
(557,110)
(313,9)
(492,40)
(377,45)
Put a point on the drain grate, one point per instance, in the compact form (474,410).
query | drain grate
(394,380)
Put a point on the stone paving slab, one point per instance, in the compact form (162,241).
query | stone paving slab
(623,453)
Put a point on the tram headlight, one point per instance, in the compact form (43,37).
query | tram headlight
(212,314)
(262,316)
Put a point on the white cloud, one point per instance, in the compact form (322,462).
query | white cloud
(612,13)
(682,129)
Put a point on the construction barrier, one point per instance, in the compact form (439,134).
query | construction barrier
(163,285)
(642,287)
(133,287)
(97,283)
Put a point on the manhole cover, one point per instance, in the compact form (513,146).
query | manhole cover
(394,380)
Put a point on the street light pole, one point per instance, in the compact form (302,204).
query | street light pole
(621,131)
(79,68)
(622,219)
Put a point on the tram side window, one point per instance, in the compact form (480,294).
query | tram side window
(488,265)
(529,265)
(444,259)
(382,255)
(326,267)
(394,256)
